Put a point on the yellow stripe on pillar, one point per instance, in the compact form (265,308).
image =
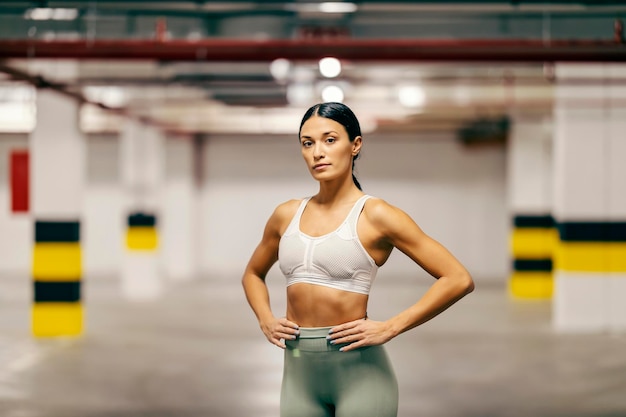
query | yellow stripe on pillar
(533,243)
(52,319)
(57,261)
(531,284)
(591,256)
(142,238)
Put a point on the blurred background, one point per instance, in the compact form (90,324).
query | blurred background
(144,144)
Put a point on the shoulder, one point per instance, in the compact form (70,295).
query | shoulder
(282,215)
(378,210)
(287,208)
(386,217)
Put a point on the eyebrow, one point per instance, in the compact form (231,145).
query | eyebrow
(323,134)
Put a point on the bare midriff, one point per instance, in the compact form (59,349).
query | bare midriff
(310,305)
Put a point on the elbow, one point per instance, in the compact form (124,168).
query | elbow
(467,283)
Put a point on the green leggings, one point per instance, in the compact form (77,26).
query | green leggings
(321,381)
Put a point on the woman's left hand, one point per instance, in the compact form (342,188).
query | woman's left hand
(359,333)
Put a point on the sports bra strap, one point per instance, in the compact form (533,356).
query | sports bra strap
(353,217)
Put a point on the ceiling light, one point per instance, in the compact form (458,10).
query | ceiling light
(46,13)
(279,68)
(337,7)
(110,96)
(330,67)
(17,94)
(332,93)
(411,96)
(323,7)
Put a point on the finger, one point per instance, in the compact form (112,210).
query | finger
(351,346)
(283,335)
(279,343)
(345,339)
(292,325)
(288,323)
(291,333)
(343,327)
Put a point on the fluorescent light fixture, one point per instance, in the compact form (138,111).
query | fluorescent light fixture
(330,67)
(337,7)
(110,96)
(46,13)
(411,96)
(17,117)
(323,7)
(332,93)
(17,94)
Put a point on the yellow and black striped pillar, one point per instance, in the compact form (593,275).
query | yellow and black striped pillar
(532,245)
(590,201)
(141,272)
(57,176)
(142,234)
(57,271)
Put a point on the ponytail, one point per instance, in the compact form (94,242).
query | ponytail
(356,182)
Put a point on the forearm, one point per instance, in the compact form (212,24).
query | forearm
(258,296)
(441,295)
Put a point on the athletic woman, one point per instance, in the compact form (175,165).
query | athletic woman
(329,247)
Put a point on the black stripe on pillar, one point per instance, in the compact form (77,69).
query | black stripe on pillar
(57,291)
(546,221)
(537,265)
(141,219)
(592,231)
(50,231)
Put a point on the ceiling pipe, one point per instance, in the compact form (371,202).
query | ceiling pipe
(314,49)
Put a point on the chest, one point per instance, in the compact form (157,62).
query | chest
(316,222)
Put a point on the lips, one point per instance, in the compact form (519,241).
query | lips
(320,166)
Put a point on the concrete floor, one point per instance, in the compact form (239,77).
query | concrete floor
(198,352)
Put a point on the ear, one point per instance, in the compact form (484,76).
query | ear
(356,145)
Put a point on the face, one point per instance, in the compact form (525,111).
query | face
(327,149)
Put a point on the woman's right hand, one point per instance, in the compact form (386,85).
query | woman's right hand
(277,330)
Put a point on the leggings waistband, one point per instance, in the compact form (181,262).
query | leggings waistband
(313,332)
(313,339)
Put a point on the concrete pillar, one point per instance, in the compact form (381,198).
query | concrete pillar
(179,210)
(529,179)
(142,165)
(57,179)
(589,201)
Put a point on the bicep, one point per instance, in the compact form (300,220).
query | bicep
(403,233)
(265,254)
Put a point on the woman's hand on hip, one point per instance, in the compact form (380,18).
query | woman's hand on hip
(278,330)
(359,333)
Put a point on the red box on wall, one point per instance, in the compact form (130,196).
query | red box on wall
(19,181)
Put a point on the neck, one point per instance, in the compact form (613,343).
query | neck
(337,192)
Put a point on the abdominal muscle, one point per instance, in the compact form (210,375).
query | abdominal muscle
(311,305)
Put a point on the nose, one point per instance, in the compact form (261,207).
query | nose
(318,151)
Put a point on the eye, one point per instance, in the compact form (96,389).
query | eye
(331,140)
(307,144)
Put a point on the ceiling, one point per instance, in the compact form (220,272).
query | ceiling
(252,66)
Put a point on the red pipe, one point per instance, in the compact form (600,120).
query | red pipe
(313,49)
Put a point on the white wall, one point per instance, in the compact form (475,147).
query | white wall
(456,194)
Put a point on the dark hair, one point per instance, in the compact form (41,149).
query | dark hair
(341,114)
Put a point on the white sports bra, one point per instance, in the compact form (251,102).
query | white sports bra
(337,259)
